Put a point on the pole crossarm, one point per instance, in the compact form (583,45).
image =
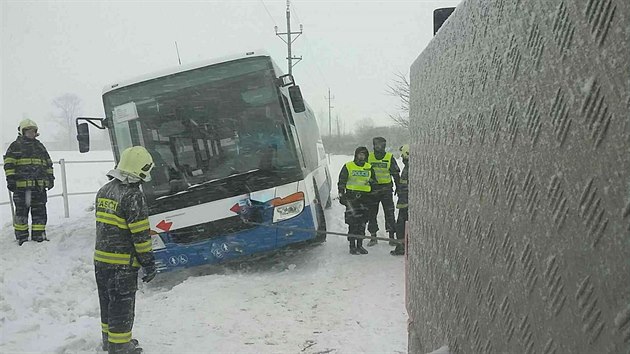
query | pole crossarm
(288,41)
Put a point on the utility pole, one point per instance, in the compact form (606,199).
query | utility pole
(289,41)
(329,115)
(177,50)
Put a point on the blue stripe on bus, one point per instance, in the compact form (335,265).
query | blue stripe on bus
(224,248)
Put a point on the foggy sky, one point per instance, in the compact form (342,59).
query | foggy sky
(49,48)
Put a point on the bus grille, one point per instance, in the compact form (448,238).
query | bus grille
(209,230)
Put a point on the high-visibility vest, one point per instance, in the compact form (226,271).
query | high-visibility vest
(359,177)
(381,167)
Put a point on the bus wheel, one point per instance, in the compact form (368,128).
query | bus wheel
(321,223)
(321,220)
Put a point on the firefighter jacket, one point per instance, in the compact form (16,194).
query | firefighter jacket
(403,189)
(385,168)
(27,165)
(122,227)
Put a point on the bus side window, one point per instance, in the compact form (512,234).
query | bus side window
(287,109)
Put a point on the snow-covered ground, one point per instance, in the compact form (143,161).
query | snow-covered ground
(314,300)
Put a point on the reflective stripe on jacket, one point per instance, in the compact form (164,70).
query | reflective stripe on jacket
(381,167)
(359,177)
(27,164)
(122,226)
(403,189)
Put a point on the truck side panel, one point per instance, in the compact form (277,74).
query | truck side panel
(520,180)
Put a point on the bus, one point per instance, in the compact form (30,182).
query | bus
(229,137)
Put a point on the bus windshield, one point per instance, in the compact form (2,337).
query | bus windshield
(219,128)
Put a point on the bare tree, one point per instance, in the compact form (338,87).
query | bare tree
(400,88)
(69,106)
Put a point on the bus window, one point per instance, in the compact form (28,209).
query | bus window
(287,109)
(209,124)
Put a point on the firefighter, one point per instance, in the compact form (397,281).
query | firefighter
(386,169)
(29,172)
(402,204)
(355,184)
(123,245)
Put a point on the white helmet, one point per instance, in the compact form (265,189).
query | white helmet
(136,161)
(404,151)
(26,124)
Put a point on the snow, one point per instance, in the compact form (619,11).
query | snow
(318,299)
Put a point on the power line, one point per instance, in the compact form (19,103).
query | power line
(268,13)
(308,48)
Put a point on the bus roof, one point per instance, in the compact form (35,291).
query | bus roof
(182,68)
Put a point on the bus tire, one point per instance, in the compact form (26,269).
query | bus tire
(321,217)
(321,223)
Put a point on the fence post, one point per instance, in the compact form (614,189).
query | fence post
(11,204)
(64,186)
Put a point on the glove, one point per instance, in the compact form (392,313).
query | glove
(149,273)
(11,186)
(51,184)
(342,199)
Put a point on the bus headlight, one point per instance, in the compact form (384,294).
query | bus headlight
(289,207)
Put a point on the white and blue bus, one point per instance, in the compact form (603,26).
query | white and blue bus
(227,136)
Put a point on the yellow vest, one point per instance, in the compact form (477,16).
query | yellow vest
(381,167)
(359,177)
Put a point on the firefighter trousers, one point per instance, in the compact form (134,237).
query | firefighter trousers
(33,201)
(117,298)
(403,216)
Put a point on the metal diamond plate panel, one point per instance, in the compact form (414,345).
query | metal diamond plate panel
(520,199)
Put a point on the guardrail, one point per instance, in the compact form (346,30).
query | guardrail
(64,186)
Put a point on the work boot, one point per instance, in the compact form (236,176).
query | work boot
(130,347)
(372,242)
(353,247)
(360,248)
(398,251)
(21,240)
(38,238)
(392,237)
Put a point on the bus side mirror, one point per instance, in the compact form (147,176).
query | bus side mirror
(296,99)
(83,136)
(285,80)
(439,17)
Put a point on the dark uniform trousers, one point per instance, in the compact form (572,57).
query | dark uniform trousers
(357,214)
(382,195)
(33,201)
(117,297)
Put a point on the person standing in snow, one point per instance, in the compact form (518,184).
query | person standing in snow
(123,245)
(355,184)
(402,204)
(29,172)
(386,168)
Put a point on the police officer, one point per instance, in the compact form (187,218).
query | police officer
(123,245)
(355,184)
(403,200)
(386,169)
(29,172)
